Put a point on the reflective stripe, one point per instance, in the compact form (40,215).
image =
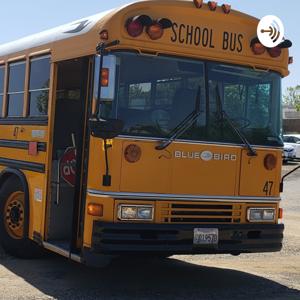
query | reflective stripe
(153,196)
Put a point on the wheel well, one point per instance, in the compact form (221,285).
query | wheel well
(9,174)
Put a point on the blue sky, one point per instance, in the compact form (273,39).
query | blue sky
(21,18)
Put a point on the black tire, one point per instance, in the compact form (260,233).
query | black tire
(20,246)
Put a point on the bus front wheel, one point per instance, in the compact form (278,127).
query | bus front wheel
(14,220)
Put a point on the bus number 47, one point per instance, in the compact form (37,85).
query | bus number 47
(268,188)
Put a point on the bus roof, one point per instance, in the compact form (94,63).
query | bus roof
(196,33)
(62,32)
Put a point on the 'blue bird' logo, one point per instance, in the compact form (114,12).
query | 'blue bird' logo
(80,27)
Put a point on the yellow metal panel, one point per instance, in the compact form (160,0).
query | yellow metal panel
(97,164)
(152,173)
(254,175)
(24,132)
(37,198)
(211,175)
(108,216)
(21,154)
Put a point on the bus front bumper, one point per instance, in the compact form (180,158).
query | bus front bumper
(168,239)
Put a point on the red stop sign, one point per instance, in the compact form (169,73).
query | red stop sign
(67,166)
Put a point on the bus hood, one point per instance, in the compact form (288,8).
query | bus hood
(181,169)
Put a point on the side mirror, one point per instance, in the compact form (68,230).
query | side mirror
(106,129)
(105,79)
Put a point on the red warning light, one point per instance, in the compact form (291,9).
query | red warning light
(198,3)
(212,5)
(226,8)
(135,26)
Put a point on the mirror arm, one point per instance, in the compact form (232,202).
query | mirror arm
(286,175)
(102,47)
(106,181)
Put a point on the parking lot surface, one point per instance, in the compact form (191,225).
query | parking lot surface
(249,276)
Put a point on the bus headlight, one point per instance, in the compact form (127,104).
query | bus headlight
(261,214)
(135,212)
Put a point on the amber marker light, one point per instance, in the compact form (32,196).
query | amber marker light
(212,5)
(198,3)
(105,77)
(133,153)
(257,47)
(95,210)
(104,35)
(226,8)
(155,31)
(270,162)
(280,213)
(275,52)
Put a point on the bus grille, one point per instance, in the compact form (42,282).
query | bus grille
(200,213)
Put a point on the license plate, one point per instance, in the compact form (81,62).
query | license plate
(206,236)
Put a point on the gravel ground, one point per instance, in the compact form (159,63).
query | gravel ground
(256,276)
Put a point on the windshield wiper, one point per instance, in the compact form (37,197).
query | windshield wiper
(251,150)
(183,126)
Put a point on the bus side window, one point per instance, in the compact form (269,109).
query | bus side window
(39,86)
(15,95)
(2,69)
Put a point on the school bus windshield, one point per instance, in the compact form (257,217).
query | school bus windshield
(155,94)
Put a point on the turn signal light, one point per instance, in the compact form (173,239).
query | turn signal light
(104,77)
(280,213)
(226,8)
(270,162)
(133,153)
(212,5)
(95,210)
(155,31)
(275,52)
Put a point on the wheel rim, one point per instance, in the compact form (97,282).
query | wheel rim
(14,215)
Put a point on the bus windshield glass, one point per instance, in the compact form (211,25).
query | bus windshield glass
(156,93)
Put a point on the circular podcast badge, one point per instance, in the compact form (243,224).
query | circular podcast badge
(270,31)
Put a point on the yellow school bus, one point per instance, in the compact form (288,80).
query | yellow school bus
(151,129)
